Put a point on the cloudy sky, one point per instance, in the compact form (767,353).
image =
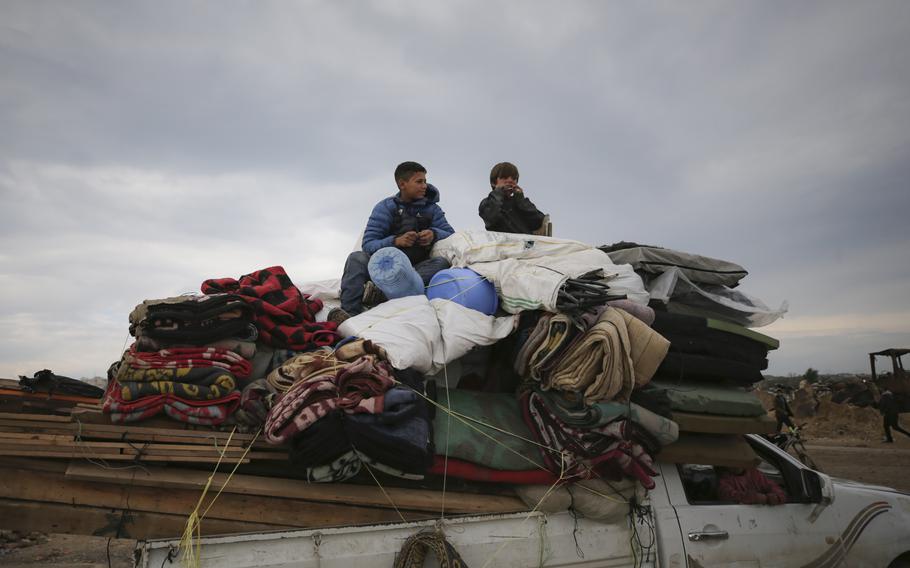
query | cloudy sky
(145,147)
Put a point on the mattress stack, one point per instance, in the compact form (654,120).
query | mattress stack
(715,357)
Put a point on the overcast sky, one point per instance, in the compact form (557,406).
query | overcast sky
(145,147)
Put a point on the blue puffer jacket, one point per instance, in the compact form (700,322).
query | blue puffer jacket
(391,216)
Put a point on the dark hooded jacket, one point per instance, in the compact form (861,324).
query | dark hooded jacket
(515,214)
(392,217)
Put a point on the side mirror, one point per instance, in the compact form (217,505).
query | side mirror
(827,488)
(823,491)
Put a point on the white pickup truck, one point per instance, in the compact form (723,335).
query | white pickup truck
(825,523)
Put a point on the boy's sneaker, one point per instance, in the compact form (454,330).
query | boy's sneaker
(372,295)
(337,315)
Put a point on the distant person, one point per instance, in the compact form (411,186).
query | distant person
(507,209)
(887,405)
(782,411)
(410,220)
(748,486)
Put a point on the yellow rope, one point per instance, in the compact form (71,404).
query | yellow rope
(192,532)
(549,491)
(381,488)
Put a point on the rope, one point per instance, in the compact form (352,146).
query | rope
(381,488)
(415,549)
(448,409)
(549,491)
(192,532)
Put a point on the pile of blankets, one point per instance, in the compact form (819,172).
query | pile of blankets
(194,354)
(340,416)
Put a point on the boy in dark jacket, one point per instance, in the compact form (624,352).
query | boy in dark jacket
(411,220)
(506,209)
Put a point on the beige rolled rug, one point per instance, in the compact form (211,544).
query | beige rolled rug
(618,353)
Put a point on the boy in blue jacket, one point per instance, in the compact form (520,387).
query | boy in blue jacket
(412,220)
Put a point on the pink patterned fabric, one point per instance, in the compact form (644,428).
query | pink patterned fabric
(188,357)
(358,387)
(586,453)
(206,413)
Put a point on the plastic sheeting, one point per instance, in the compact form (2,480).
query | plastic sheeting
(682,295)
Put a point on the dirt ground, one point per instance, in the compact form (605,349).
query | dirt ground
(845,442)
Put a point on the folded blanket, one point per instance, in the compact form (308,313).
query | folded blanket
(559,333)
(244,347)
(187,358)
(357,388)
(362,384)
(285,317)
(494,437)
(204,383)
(599,364)
(399,437)
(209,413)
(461,469)
(301,406)
(256,400)
(605,451)
(611,358)
(322,443)
(192,319)
(304,366)
(533,341)
(570,409)
(342,468)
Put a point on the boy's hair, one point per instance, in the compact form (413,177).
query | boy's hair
(503,169)
(405,170)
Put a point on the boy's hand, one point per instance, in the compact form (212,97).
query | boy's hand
(425,237)
(406,240)
(509,190)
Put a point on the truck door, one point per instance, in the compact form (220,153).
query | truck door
(722,533)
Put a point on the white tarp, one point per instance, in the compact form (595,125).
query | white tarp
(423,335)
(534,283)
(467,247)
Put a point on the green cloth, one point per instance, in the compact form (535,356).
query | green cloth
(466,443)
(708,398)
(728,327)
(576,415)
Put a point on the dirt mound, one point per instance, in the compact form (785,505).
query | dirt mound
(835,421)
(831,421)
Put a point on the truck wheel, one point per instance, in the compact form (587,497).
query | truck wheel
(902,561)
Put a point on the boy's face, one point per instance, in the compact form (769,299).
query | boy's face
(507,181)
(414,188)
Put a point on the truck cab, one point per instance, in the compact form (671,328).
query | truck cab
(824,522)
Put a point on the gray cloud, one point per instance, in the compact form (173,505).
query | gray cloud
(148,147)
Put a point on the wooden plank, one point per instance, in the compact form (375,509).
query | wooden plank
(29,416)
(366,495)
(710,449)
(16,392)
(56,488)
(29,516)
(712,424)
(84,454)
(132,433)
(34,464)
